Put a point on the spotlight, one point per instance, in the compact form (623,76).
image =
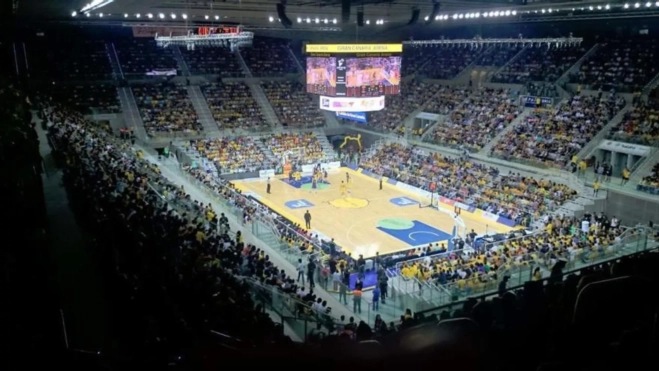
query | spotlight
(161,16)
(438,17)
(205,17)
(317,20)
(299,20)
(125,15)
(460,16)
(426,18)
(637,5)
(308,20)
(100,15)
(648,4)
(73,14)
(607,7)
(455,16)
(149,15)
(173,16)
(476,15)
(137,15)
(334,20)
(184,16)
(485,15)
(507,13)
(368,22)
(271,19)
(217,17)
(325,20)
(514,12)
(87,14)
(590,8)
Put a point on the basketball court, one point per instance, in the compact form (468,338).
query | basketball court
(367,220)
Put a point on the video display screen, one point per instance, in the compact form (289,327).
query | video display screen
(321,75)
(373,76)
(351,76)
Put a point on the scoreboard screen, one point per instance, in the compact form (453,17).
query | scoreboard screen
(354,70)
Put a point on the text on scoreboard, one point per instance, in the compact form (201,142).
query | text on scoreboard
(354,48)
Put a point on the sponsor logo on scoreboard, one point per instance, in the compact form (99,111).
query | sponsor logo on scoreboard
(368,104)
(354,48)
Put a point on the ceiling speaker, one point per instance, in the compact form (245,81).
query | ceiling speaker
(435,11)
(415,16)
(281,13)
(360,18)
(345,10)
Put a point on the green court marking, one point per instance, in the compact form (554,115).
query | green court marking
(320,186)
(396,223)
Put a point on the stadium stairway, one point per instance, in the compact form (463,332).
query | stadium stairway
(259,141)
(577,65)
(117,72)
(511,60)
(263,102)
(180,61)
(330,118)
(203,112)
(298,63)
(591,146)
(645,167)
(243,65)
(131,113)
(488,147)
(328,150)
(651,85)
(465,75)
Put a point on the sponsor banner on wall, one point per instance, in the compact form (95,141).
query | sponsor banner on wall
(537,102)
(506,221)
(366,104)
(428,116)
(489,216)
(446,201)
(352,116)
(465,207)
(341,69)
(266,173)
(150,31)
(166,72)
(626,148)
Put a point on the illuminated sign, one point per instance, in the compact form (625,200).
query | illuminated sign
(352,116)
(369,104)
(354,48)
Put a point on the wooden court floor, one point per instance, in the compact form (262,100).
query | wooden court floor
(367,220)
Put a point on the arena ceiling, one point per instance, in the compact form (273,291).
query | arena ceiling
(314,16)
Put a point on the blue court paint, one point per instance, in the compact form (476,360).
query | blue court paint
(403,201)
(418,233)
(304,180)
(298,204)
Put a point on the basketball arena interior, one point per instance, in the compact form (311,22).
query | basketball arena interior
(329,184)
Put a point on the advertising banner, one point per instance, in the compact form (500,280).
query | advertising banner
(264,174)
(537,102)
(341,69)
(353,116)
(626,148)
(354,48)
(367,104)
(168,72)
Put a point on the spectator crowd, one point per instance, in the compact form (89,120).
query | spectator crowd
(540,64)
(233,106)
(293,106)
(166,108)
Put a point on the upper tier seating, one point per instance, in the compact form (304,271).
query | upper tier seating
(397,107)
(540,64)
(166,108)
(230,154)
(87,99)
(640,125)
(498,56)
(70,60)
(511,196)
(233,106)
(446,63)
(308,143)
(623,65)
(139,56)
(554,138)
(212,61)
(269,58)
(486,113)
(448,98)
(293,106)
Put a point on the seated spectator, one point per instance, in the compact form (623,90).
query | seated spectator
(139,56)
(307,143)
(293,106)
(68,60)
(498,56)
(640,124)
(414,57)
(233,106)
(87,99)
(269,57)
(540,63)
(650,183)
(512,196)
(622,65)
(166,108)
(448,99)
(230,155)
(212,61)
(481,118)
(397,107)
(553,138)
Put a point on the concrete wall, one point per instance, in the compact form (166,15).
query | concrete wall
(632,209)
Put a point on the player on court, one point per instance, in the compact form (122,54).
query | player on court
(325,177)
(342,189)
(347,177)
(314,183)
